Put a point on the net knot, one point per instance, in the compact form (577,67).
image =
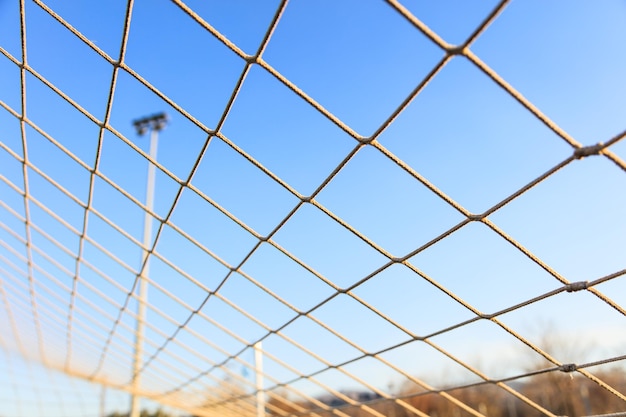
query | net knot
(577,286)
(585,151)
(568,367)
(456,49)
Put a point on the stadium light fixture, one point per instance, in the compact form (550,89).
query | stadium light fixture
(154,123)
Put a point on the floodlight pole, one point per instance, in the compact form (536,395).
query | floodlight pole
(154,124)
(103,393)
(258,371)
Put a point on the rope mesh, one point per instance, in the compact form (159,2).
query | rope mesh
(372,288)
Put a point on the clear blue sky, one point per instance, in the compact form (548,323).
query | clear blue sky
(359,60)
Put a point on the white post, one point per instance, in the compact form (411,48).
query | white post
(103,392)
(142,300)
(258,364)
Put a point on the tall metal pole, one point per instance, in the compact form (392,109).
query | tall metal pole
(155,124)
(103,393)
(258,364)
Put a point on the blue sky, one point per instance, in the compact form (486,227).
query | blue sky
(359,60)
